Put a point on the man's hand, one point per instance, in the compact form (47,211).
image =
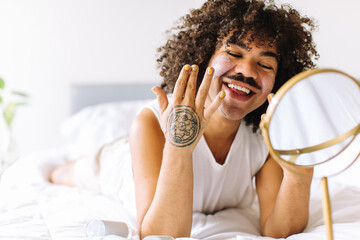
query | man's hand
(284,192)
(298,172)
(162,155)
(184,118)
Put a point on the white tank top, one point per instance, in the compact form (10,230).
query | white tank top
(230,185)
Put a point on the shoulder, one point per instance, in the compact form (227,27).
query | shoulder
(146,135)
(145,122)
(269,178)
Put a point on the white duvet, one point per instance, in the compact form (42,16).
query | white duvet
(33,208)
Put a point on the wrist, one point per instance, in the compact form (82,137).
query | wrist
(177,152)
(299,175)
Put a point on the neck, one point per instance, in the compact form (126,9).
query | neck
(221,128)
(219,135)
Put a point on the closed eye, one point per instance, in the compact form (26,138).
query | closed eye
(240,56)
(264,66)
(234,55)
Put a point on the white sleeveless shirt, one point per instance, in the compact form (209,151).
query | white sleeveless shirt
(230,185)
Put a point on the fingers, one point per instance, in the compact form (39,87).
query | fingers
(269,97)
(181,83)
(190,91)
(185,87)
(161,97)
(214,105)
(204,88)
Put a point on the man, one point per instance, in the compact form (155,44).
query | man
(254,48)
(199,149)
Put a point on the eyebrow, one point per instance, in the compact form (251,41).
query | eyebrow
(263,54)
(270,54)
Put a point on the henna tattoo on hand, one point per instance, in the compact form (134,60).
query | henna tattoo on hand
(183,125)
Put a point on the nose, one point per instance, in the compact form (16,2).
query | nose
(246,68)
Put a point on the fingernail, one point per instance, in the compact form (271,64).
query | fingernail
(210,70)
(154,90)
(194,67)
(187,67)
(222,94)
(270,96)
(262,116)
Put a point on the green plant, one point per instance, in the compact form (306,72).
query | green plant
(15,100)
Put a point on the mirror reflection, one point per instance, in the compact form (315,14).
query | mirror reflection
(321,110)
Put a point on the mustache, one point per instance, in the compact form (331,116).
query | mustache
(242,78)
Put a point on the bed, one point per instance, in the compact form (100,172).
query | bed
(33,208)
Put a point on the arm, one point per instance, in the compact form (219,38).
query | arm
(164,203)
(284,193)
(162,165)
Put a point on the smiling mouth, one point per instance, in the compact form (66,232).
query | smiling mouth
(239,89)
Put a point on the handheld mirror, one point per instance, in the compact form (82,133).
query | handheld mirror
(314,121)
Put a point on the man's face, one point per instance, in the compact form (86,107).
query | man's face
(246,74)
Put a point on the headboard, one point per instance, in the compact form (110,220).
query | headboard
(83,95)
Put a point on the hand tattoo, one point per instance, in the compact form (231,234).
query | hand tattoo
(183,125)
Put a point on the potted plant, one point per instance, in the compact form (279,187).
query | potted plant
(9,102)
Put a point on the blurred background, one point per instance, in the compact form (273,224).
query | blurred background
(48,45)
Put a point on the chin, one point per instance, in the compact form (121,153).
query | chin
(231,113)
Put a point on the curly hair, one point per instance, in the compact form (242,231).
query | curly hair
(202,31)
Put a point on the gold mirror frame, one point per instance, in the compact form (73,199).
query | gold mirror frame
(294,153)
(265,122)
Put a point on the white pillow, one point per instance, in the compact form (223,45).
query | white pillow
(92,127)
(89,129)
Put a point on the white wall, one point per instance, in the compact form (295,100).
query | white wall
(46,45)
(338,34)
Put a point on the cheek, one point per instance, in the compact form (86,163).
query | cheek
(221,65)
(267,89)
(268,85)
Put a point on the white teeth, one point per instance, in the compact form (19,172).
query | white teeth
(243,89)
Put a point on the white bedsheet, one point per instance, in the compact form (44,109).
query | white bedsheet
(33,208)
